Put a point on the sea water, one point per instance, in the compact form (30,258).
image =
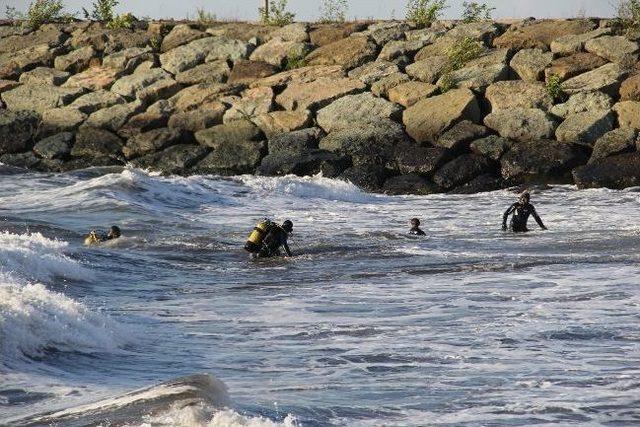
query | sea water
(365,326)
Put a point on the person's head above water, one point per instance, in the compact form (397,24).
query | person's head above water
(287,226)
(114,232)
(415,222)
(524,198)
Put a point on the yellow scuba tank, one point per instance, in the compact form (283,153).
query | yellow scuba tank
(254,242)
(92,239)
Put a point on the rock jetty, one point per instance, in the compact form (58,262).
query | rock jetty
(377,103)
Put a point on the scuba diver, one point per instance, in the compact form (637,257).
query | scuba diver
(521,211)
(95,238)
(267,238)
(415,228)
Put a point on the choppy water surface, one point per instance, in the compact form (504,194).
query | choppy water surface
(367,327)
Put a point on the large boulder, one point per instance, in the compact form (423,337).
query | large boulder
(58,120)
(349,53)
(366,143)
(296,32)
(295,142)
(383,33)
(246,72)
(530,64)
(615,172)
(460,135)
(383,86)
(540,34)
(356,109)
(585,128)
(317,94)
(574,65)
(521,124)
(47,35)
(153,141)
(184,57)
(229,133)
(479,73)
(39,98)
(330,33)
(574,43)
(12,65)
(94,78)
(461,170)
(373,71)
(76,61)
(429,118)
(614,49)
(94,143)
(126,61)
(409,184)
(278,122)
(233,158)
(94,101)
(205,116)
(55,147)
(156,116)
(129,86)
(254,102)
(582,102)
(630,89)
(401,48)
(492,147)
(541,161)
(279,52)
(304,163)
(113,118)
(194,97)
(615,142)
(226,49)
(17,130)
(177,159)
(180,35)
(605,79)
(628,114)
(407,94)
(212,72)
(44,76)
(367,177)
(428,70)
(518,94)
(412,158)
(301,75)
(480,184)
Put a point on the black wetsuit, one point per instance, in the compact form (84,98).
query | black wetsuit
(416,231)
(276,237)
(520,217)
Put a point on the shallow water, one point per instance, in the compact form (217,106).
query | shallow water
(367,326)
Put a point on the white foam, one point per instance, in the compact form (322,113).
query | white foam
(199,416)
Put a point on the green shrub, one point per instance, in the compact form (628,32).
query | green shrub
(475,12)
(554,88)
(40,12)
(124,21)
(103,10)
(296,60)
(205,18)
(333,11)
(425,12)
(458,56)
(276,13)
(629,15)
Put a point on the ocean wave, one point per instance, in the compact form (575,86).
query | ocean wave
(200,416)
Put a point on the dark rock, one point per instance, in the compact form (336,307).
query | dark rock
(409,184)
(144,122)
(369,177)
(295,142)
(177,159)
(204,117)
(95,142)
(229,133)
(492,146)
(17,130)
(55,147)
(411,158)
(617,172)
(20,160)
(461,170)
(155,140)
(460,136)
(233,158)
(541,161)
(617,141)
(480,184)
(304,163)
(88,162)
(245,71)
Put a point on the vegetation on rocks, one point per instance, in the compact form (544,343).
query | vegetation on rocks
(475,12)
(555,89)
(40,12)
(461,53)
(205,18)
(276,13)
(425,12)
(333,11)
(629,15)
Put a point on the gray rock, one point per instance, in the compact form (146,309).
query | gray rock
(207,115)
(180,35)
(229,133)
(574,43)
(254,102)
(212,72)
(304,163)
(585,128)
(153,141)
(479,73)
(461,170)
(492,147)
(76,61)
(225,49)
(460,136)
(349,53)
(373,71)
(295,142)
(277,51)
(409,184)
(628,113)
(541,161)
(518,94)
(59,120)
(126,61)
(94,143)
(43,76)
(20,160)
(55,147)
(296,32)
(399,48)
(233,158)
(355,110)
(385,32)
(184,57)
(614,48)
(480,184)
(411,158)
(369,177)
(318,93)
(162,89)
(177,159)
(383,86)
(246,72)
(114,117)
(279,122)
(17,130)
(129,86)
(94,101)
(583,102)
(521,124)
(428,70)
(407,94)
(39,98)
(605,79)
(616,172)
(530,64)
(615,142)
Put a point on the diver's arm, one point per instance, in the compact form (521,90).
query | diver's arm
(506,216)
(537,218)
(286,249)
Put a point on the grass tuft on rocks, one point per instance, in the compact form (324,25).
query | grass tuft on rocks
(476,12)
(629,15)
(276,13)
(40,12)
(425,12)
(459,55)
(554,88)
(296,60)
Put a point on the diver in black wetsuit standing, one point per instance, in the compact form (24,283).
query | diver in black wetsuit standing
(521,211)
